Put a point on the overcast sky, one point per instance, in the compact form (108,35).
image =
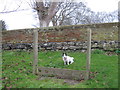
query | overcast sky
(25,19)
(103,5)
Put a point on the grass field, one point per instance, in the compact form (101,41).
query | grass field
(17,69)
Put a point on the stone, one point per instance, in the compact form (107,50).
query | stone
(104,45)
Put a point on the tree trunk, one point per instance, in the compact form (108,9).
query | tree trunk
(44,23)
(46,14)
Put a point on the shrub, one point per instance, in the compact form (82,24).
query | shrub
(117,51)
(97,51)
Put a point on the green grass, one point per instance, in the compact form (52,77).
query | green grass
(17,69)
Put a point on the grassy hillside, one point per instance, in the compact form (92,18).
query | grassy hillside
(17,70)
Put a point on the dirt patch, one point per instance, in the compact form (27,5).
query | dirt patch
(65,81)
(69,81)
(61,73)
(72,82)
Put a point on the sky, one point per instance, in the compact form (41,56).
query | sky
(103,5)
(25,19)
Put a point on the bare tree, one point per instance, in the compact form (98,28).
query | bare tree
(45,9)
(45,12)
(65,12)
(103,17)
(86,16)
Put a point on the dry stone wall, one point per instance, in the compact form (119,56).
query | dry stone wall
(104,36)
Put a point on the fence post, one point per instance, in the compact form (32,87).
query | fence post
(1,54)
(88,53)
(35,50)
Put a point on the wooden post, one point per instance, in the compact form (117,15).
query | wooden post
(0,55)
(35,50)
(88,53)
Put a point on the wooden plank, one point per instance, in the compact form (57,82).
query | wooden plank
(1,69)
(35,50)
(0,55)
(88,53)
(61,73)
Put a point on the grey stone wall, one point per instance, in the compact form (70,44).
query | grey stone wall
(73,37)
(81,46)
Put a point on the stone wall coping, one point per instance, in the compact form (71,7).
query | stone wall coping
(60,28)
